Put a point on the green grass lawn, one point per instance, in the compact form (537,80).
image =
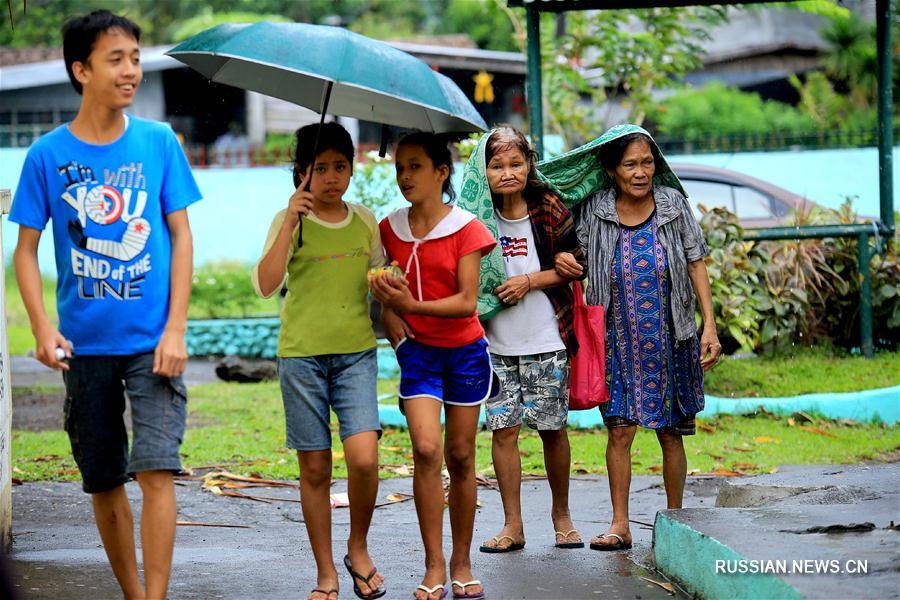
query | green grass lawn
(805,371)
(241,427)
(18,333)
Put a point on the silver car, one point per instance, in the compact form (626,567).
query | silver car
(757,203)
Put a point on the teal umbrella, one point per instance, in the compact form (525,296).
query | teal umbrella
(329,69)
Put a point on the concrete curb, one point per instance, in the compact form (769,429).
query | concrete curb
(689,557)
(866,406)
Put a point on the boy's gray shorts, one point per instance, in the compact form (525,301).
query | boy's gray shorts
(94,409)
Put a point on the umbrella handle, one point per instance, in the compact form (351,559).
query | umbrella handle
(326,97)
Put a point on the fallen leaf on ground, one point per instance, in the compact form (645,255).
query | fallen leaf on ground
(46,458)
(764,439)
(341,500)
(219,492)
(337,454)
(816,430)
(742,449)
(402,470)
(801,417)
(199,524)
(663,584)
(706,427)
(791,422)
(483,480)
(743,465)
(16,481)
(654,468)
(266,482)
(399,497)
(724,473)
(715,456)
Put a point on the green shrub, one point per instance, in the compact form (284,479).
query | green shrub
(223,289)
(736,271)
(720,110)
(772,295)
(374,184)
(814,287)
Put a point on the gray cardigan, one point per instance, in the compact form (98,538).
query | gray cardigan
(679,234)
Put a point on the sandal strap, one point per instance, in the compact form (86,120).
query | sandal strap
(615,535)
(356,575)
(566,534)
(458,583)
(429,590)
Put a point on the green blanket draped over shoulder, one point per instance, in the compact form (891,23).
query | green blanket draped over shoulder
(574,176)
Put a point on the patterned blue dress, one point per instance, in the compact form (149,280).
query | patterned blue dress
(654,381)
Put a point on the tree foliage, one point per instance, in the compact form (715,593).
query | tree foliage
(619,55)
(718,109)
(168,21)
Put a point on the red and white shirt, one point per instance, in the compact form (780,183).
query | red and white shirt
(431,265)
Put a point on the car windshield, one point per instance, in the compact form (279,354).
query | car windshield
(747,203)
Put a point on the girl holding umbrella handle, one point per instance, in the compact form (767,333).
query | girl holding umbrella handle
(326,347)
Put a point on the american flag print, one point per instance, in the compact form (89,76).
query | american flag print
(513,246)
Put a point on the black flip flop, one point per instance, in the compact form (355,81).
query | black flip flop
(513,546)
(326,592)
(568,545)
(378,593)
(621,544)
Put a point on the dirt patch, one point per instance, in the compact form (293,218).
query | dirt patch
(41,409)
(889,456)
(38,409)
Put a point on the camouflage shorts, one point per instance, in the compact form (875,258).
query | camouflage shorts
(535,391)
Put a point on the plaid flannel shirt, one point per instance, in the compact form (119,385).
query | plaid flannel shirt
(554,232)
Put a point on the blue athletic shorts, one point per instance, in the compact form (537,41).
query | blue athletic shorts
(462,376)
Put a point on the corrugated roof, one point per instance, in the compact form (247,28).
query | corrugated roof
(51,72)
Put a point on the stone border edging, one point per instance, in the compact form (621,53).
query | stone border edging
(866,406)
(688,557)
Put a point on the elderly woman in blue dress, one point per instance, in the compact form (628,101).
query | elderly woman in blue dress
(645,254)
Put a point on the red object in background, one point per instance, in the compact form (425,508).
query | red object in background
(519,105)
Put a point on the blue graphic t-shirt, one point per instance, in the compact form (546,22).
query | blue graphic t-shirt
(108,205)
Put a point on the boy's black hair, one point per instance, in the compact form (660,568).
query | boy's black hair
(80,34)
(436,148)
(333,137)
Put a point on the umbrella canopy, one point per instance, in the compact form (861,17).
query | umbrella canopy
(305,64)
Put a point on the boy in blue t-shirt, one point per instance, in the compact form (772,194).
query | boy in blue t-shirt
(116,188)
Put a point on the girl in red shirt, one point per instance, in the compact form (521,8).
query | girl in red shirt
(430,319)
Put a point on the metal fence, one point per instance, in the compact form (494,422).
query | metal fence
(773,140)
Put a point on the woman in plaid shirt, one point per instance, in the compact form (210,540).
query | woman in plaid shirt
(530,329)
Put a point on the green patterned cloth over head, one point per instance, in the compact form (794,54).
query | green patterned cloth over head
(573,176)
(577,174)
